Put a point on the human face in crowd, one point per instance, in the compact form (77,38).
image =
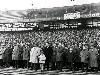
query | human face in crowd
(92,48)
(54,45)
(99,44)
(80,44)
(84,47)
(70,49)
(41,52)
(59,45)
(9,46)
(3,47)
(47,45)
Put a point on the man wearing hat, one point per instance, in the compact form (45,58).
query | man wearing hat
(93,54)
(59,58)
(7,56)
(70,57)
(48,51)
(98,55)
(84,54)
(2,49)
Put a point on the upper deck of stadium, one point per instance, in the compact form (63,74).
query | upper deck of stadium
(47,13)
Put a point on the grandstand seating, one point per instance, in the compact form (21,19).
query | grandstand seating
(63,36)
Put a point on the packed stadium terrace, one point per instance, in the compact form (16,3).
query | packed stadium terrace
(68,34)
(66,37)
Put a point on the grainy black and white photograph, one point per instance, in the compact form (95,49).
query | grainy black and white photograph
(49,37)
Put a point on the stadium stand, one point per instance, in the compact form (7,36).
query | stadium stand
(37,27)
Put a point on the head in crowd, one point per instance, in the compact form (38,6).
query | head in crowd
(54,45)
(35,45)
(84,47)
(59,45)
(3,47)
(9,46)
(99,43)
(70,49)
(80,45)
(41,52)
(92,48)
(47,44)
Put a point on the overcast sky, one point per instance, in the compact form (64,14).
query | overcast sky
(27,4)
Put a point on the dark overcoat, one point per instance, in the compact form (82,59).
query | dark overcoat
(7,55)
(70,56)
(20,52)
(48,51)
(54,54)
(98,53)
(93,54)
(26,53)
(15,53)
(77,57)
(59,54)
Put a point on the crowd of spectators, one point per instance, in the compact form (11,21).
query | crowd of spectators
(65,37)
(66,43)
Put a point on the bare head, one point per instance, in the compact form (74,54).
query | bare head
(47,44)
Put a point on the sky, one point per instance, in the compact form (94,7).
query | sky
(37,4)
